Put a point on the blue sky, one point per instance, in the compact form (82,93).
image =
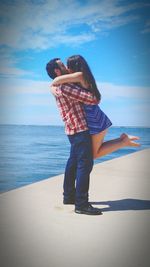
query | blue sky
(112,35)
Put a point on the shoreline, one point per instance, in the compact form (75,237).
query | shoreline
(51,177)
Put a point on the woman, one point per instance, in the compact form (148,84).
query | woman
(97,121)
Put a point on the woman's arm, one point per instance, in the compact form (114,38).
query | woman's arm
(76,77)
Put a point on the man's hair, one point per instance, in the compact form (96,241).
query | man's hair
(51,66)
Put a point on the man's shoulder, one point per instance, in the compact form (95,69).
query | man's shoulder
(70,85)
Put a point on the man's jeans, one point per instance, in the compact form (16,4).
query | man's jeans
(79,166)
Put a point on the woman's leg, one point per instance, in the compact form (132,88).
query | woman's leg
(101,148)
(97,141)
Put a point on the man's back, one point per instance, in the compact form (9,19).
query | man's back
(70,101)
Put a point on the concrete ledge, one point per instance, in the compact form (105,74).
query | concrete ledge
(37,230)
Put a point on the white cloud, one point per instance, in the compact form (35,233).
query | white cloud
(8,70)
(30,102)
(44,24)
(74,40)
(113,91)
(15,86)
(7,65)
(147,27)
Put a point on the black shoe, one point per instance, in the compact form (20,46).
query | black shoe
(68,202)
(89,210)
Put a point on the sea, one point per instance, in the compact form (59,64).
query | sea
(32,153)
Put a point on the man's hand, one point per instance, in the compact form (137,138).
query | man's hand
(54,90)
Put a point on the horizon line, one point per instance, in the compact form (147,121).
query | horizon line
(60,125)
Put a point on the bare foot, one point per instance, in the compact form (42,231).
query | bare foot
(128,140)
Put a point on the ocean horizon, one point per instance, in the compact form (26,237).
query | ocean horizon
(31,153)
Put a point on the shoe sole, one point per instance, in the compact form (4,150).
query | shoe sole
(69,203)
(87,213)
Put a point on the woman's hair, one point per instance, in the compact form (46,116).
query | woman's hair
(78,63)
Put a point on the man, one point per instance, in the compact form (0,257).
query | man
(70,99)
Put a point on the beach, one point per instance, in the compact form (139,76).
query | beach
(37,230)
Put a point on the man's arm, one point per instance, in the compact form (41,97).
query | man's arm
(77,93)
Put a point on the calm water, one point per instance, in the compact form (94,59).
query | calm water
(33,153)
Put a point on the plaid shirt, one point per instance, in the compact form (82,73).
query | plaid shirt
(70,102)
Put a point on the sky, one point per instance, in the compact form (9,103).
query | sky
(112,35)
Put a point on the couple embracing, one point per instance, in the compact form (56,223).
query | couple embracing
(77,97)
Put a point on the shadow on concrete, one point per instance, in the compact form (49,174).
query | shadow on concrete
(124,204)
